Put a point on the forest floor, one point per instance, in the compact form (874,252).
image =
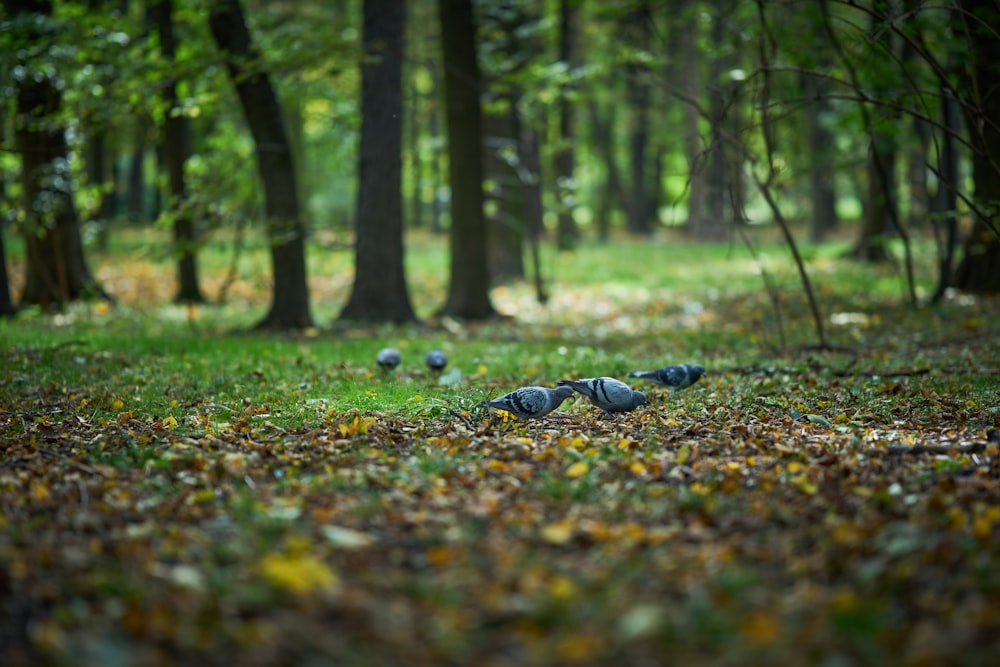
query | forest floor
(175,493)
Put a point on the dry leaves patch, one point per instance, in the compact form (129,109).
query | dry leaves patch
(740,535)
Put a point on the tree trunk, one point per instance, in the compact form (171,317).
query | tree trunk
(638,92)
(871,244)
(822,194)
(468,292)
(979,269)
(57,271)
(944,204)
(505,208)
(176,151)
(567,234)
(691,85)
(611,198)
(711,226)
(7,307)
(286,231)
(380,293)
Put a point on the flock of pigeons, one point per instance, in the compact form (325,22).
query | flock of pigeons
(606,393)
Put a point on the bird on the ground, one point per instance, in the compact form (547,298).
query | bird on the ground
(436,361)
(607,393)
(388,358)
(675,378)
(529,402)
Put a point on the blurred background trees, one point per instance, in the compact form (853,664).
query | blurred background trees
(871,121)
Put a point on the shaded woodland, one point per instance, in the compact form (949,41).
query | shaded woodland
(503,124)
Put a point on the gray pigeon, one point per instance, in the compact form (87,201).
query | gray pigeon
(674,378)
(529,402)
(388,358)
(608,394)
(436,360)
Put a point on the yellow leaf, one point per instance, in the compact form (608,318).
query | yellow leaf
(169,422)
(117,404)
(562,587)
(578,469)
(794,467)
(637,468)
(805,485)
(560,532)
(761,627)
(481,369)
(40,491)
(298,574)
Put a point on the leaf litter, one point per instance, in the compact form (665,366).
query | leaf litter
(809,512)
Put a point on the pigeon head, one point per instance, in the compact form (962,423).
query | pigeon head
(562,392)
(388,358)
(436,360)
(638,398)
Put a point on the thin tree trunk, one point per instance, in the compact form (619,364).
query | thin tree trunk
(611,197)
(286,231)
(944,205)
(505,203)
(176,151)
(468,290)
(639,93)
(821,173)
(567,234)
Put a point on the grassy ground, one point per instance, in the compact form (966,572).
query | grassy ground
(174,491)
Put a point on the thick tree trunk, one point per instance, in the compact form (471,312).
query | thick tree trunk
(57,270)
(176,151)
(468,291)
(286,231)
(979,269)
(379,292)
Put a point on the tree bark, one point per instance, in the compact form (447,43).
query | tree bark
(979,268)
(57,270)
(611,198)
(567,234)
(286,231)
(7,307)
(822,194)
(468,292)
(380,293)
(505,205)
(639,93)
(176,151)
(871,243)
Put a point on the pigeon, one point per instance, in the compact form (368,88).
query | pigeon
(608,394)
(388,358)
(436,361)
(529,402)
(674,378)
